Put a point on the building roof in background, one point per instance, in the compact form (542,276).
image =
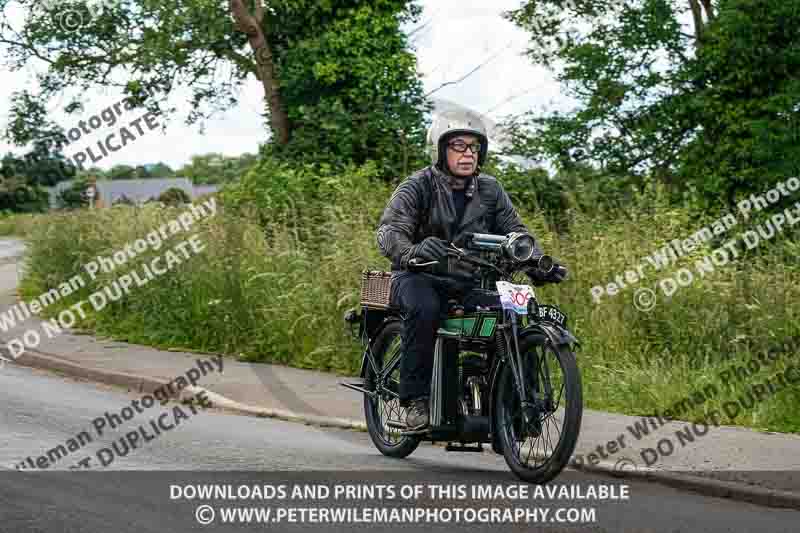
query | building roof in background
(137,190)
(140,190)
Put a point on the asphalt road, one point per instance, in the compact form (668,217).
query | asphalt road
(134,494)
(10,249)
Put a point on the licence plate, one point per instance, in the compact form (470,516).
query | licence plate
(549,313)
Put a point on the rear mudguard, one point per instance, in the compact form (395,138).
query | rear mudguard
(547,332)
(369,334)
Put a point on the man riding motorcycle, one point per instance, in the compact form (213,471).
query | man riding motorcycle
(431,208)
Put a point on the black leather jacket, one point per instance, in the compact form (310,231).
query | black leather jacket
(422,206)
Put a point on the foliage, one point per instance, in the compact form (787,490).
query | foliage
(29,125)
(221,299)
(301,196)
(22,178)
(580,188)
(351,87)
(343,71)
(711,113)
(216,168)
(632,362)
(746,101)
(174,196)
(18,196)
(74,196)
(18,225)
(124,200)
(128,172)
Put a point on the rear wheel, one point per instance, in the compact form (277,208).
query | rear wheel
(537,451)
(384,406)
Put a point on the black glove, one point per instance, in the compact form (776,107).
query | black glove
(430,249)
(556,275)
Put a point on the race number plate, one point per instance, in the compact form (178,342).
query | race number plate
(515,297)
(548,313)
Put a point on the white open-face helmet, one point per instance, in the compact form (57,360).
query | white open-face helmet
(451,123)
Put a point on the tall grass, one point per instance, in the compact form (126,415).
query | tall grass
(19,225)
(274,288)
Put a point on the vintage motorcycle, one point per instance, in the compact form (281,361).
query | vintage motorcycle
(504,374)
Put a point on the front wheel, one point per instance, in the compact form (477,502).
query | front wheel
(384,406)
(537,451)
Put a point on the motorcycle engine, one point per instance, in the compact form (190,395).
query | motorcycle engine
(472,381)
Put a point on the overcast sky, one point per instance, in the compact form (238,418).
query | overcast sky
(461,35)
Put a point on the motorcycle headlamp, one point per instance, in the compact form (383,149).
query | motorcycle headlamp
(520,247)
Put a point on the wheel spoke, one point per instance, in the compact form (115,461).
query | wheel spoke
(541,447)
(387,403)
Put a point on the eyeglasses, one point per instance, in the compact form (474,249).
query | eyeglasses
(461,147)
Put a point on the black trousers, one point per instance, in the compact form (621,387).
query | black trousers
(422,300)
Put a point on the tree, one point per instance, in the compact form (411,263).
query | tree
(121,172)
(23,178)
(159,170)
(174,196)
(19,196)
(74,196)
(29,126)
(150,170)
(339,81)
(713,110)
(216,168)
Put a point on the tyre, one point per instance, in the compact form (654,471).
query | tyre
(384,406)
(538,451)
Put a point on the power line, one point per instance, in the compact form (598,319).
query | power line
(474,70)
(509,99)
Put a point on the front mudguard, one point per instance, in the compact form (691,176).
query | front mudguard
(557,335)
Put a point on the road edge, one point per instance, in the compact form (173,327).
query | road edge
(145,384)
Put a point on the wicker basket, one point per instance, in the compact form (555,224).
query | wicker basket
(375,288)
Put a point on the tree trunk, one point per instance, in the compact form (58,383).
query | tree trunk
(697,15)
(709,9)
(250,24)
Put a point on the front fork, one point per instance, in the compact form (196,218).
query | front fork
(437,400)
(530,407)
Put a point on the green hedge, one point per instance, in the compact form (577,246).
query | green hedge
(278,273)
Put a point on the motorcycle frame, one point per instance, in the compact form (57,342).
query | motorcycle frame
(506,327)
(510,332)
